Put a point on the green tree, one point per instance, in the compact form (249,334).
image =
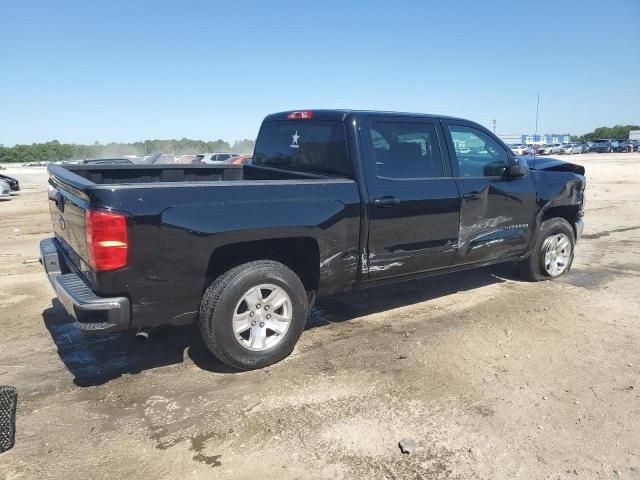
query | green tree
(56,151)
(618,132)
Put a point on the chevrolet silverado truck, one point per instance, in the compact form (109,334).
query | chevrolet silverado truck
(334,200)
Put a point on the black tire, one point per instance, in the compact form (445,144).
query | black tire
(220,300)
(532,268)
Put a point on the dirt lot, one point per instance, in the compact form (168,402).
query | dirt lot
(493,378)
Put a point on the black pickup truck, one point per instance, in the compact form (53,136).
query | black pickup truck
(334,200)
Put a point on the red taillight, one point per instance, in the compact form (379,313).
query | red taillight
(300,115)
(107,244)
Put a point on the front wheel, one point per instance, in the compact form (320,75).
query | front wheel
(253,315)
(552,254)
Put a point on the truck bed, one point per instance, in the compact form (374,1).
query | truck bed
(136,174)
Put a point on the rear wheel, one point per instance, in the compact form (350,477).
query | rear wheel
(253,315)
(553,252)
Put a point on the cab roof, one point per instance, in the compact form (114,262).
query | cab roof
(341,114)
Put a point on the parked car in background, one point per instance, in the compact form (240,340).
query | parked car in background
(621,147)
(627,146)
(206,158)
(545,150)
(604,145)
(519,149)
(240,159)
(5,190)
(13,183)
(106,161)
(571,148)
(556,148)
(36,164)
(159,159)
(185,159)
(586,147)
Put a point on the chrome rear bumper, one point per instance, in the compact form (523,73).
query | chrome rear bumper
(93,314)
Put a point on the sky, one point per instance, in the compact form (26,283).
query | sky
(85,71)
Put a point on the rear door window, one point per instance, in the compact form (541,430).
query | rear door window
(406,150)
(312,146)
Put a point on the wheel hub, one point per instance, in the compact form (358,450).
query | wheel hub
(262,317)
(557,254)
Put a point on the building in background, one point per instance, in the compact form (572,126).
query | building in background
(531,139)
(634,135)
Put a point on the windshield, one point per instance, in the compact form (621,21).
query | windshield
(312,146)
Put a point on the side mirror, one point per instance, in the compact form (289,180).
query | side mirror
(518,167)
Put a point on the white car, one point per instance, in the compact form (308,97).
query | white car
(520,149)
(5,190)
(212,157)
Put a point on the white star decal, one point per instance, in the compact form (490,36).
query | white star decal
(295,137)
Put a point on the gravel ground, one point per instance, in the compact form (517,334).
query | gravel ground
(491,377)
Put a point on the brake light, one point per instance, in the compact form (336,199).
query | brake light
(300,115)
(107,244)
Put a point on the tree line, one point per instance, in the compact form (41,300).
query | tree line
(54,150)
(619,132)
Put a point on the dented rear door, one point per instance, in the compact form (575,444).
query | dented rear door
(413,203)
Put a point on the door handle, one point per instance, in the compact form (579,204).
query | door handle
(472,196)
(385,202)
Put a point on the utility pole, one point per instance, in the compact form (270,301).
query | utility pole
(494,126)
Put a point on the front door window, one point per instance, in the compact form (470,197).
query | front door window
(477,154)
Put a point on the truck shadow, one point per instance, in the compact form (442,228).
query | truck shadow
(95,360)
(338,308)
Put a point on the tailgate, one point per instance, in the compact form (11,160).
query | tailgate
(67,209)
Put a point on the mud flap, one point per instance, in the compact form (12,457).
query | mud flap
(8,403)
(311,300)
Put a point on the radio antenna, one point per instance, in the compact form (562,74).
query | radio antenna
(536,132)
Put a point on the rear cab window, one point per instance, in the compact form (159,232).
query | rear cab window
(314,146)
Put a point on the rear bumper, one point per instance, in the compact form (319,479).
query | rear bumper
(93,314)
